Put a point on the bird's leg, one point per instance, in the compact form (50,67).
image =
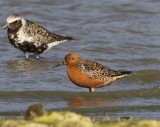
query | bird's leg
(27,55)
(92,89)
(37,56)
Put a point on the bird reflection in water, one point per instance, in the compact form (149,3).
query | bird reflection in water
(86,102)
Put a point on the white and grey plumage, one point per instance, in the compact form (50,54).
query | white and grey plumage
(29,37)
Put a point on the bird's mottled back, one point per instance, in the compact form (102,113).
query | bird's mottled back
(40,34)
(94,69)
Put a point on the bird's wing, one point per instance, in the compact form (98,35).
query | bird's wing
(95,70)
(40,34)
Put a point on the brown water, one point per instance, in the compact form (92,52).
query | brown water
(121,34)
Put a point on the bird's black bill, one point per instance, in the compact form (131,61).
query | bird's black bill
(59,64)
(6,26)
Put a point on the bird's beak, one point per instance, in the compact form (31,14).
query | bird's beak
(6,26)
(59,64)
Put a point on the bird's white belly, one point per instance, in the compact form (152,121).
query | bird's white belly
(52,44)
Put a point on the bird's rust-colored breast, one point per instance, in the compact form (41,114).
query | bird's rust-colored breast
(82,79)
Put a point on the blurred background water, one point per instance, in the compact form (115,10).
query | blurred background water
(121,34)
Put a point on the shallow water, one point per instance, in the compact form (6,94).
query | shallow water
(121,34)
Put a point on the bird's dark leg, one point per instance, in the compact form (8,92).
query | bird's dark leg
(92,89)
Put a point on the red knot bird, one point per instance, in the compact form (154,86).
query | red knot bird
(90,74)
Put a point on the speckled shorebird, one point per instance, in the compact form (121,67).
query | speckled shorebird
(29,37)
(89,74)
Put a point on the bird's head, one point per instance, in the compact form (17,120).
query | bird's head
(71,59)
(14,22)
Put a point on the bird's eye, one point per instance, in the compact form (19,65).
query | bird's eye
(70,59)
(16,21)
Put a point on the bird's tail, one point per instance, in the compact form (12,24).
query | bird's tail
(120,74)
(125,72)
(69,38)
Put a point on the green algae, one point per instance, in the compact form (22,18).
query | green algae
(131,123)
(65,119)
(70,119)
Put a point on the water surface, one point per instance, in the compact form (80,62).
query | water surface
(121,34)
